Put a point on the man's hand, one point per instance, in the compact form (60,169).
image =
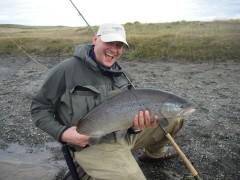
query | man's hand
(143,120)
(73,137)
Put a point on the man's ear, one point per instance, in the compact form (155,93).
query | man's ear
(95,39)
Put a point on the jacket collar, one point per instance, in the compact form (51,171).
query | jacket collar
(86,53)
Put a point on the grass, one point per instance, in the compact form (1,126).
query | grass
(194,41)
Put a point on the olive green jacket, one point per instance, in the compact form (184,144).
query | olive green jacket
(71,90)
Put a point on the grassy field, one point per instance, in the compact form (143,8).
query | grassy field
(194,41)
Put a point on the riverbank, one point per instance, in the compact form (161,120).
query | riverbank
(210,137)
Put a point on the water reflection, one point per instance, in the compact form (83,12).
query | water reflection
(21,162)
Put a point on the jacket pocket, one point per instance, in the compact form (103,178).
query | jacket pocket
(77,102)
(120,85)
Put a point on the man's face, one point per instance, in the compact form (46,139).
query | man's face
(107,53)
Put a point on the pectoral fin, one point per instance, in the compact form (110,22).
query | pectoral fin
(94,140)
(120,134)
(114,136)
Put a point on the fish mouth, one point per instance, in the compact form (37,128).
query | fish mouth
(187,111)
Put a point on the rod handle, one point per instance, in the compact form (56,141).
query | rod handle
(182,155)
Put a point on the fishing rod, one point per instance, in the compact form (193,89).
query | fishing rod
(181,154)
(82,17)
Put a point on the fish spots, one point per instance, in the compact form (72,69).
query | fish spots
(117,113)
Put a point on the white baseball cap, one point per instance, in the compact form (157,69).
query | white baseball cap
(112,32)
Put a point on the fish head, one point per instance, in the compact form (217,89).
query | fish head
(177,107)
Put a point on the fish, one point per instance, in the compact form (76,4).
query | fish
(117,113)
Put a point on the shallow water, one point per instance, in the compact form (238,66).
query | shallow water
(20,162)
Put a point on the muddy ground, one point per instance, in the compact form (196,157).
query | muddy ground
(210,137)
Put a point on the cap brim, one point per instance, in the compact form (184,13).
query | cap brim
(113,37)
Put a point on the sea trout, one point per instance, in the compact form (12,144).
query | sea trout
(117,113)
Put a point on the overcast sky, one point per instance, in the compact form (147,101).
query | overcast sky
(61,12)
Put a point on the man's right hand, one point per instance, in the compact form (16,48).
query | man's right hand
(142,120)
(71,136)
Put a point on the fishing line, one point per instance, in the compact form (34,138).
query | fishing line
(28,55)
(19,47)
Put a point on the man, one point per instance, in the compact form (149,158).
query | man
(77,85)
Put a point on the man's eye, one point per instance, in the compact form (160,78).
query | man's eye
(119,45)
